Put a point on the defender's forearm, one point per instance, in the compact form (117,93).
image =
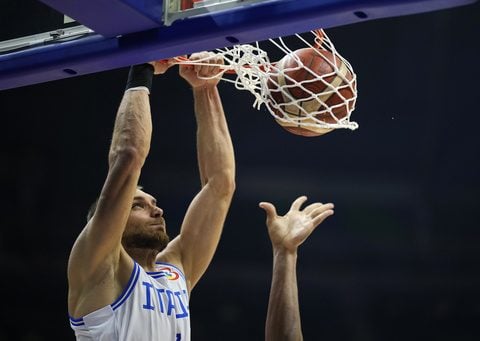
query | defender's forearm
(283,316)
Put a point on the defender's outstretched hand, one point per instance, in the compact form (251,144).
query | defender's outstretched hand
(205,75)
(292,229)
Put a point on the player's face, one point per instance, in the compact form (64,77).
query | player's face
(146,227)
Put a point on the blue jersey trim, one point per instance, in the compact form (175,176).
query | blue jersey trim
(76,322)
(129,288)
(118,302)
(154,274)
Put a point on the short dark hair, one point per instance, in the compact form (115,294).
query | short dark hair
(93,206)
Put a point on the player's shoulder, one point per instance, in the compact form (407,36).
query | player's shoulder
(172,254)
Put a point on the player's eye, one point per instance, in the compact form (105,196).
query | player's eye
(137,205)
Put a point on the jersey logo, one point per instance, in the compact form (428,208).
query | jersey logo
(168,273)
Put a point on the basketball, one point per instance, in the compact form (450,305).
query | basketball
(316,78)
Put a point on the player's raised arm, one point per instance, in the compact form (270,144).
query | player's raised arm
(93,264)
(287,233)
(203,223)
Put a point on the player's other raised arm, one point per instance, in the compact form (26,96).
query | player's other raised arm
(97,249)
(203,223)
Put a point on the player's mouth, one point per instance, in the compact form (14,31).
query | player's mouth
(159,226)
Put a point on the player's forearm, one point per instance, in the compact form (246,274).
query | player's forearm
(133,126)
(283,316)
(201,230)
(214,145)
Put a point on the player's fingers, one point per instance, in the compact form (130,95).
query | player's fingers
(197,57)
(218,61)
(212,70)
(183,64)
(163,65)
(321,217)
(298,203)
(168,61)
(205,59)
(269,209)
(201,58)
(204,70)
(216,70)
(172,61)
(184,68)
(182,58)
(211,65)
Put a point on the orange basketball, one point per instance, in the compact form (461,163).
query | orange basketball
(316,63)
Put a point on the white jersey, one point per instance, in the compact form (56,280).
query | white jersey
(153,306)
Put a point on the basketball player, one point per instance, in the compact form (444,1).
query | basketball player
(127,281)
(287,233)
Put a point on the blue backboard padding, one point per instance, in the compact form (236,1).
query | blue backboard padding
(112,17)
(257,22)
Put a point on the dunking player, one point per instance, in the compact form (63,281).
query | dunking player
(287,233)
(126,280)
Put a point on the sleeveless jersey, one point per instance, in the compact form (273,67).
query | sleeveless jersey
(153,306)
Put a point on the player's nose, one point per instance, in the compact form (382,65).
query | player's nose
(157,212)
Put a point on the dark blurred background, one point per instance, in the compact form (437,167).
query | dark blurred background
(398,261)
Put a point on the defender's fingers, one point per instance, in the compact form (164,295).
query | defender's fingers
(321,209)
(269,209)
(297,203)
(321,217)
(311,207)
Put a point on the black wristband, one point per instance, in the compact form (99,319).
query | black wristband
(140,75)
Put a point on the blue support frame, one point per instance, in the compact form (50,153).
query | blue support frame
(269,19)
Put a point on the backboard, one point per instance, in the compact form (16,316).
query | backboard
(111,34)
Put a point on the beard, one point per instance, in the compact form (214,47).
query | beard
(150,240)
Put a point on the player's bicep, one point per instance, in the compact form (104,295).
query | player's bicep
(101,238)
(201,231)
(84,262)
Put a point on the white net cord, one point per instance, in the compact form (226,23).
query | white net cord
(314,100)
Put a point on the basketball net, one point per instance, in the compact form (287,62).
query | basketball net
(257,74)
